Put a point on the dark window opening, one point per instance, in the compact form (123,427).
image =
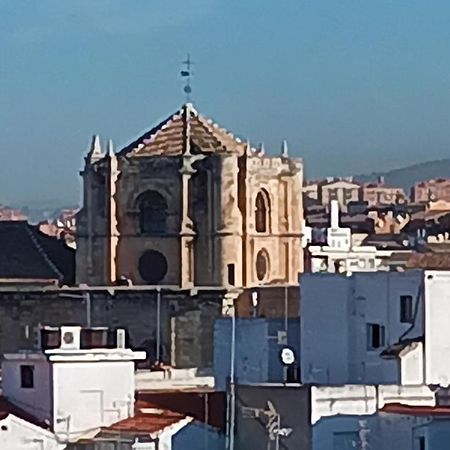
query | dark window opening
(153,213)
(422,444)
(262,212)
(375,336)
(27,377)
(152,266)
(262,265)
(406,309)
(231,275)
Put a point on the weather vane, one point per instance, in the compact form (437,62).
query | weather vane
(186,73)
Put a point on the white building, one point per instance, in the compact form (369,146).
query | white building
(78,393)
(342,254)
(379,418)
(376,328)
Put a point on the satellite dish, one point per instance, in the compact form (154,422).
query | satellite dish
(287,356)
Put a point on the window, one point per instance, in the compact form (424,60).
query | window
(152,213)
(375,336)
(406,309)
(27,377)
(262,264)
(231,277)
(262,211)
(152,266)
(421,443)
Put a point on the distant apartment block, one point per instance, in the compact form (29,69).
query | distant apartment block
(431,190)
(380,194)
(7,213)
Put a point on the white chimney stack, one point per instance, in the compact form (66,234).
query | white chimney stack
(334,214)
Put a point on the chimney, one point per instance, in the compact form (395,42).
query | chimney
(334,214)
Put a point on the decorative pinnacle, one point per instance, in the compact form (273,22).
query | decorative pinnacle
(95,149)
(110,148)
(262,150)
(284,149)
(248,148)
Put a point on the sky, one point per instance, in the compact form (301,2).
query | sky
(353,85)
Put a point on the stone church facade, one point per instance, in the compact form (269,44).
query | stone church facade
(189,205)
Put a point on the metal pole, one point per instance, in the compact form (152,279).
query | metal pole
(286,329)
(286,322)
(206,428)
(232,385)
(158,324)
(87,297)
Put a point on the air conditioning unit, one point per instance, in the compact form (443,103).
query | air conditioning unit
(70,338)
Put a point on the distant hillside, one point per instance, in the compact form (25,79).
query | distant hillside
(407,176)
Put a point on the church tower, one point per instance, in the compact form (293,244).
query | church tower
(188,205)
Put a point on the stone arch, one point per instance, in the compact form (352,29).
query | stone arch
(262,212)
(152,208)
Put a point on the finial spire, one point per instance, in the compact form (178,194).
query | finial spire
(284,149)
(186,73)
(262,150)
(110,148)
(248,148)
(95,149)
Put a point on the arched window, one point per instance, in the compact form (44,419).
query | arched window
(262,211)
(152,213)
(262,265)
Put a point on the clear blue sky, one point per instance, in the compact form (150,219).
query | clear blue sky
(354,85)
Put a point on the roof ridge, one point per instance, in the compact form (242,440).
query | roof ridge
(221,134)
(150,135)
(42,252)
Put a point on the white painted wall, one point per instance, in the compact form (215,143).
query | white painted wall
(37,400)
(88,395)
(335,313)
(16,434)
(342,411)
(412,366)
(437,329)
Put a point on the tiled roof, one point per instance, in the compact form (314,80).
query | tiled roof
(430,261)
(203,405)
(28,254)
(398,408)
(168,138)
(148,418)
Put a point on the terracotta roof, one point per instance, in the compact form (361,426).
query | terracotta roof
(430,261)
(28,254)
(148,418)
(398,408)
(203,405)
(168,137)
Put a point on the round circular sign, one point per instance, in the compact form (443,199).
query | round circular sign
(287,356)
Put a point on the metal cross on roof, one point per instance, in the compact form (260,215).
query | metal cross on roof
(186,74)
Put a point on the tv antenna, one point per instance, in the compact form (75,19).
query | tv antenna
(186,74)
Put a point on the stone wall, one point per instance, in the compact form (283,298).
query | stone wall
(186,321)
